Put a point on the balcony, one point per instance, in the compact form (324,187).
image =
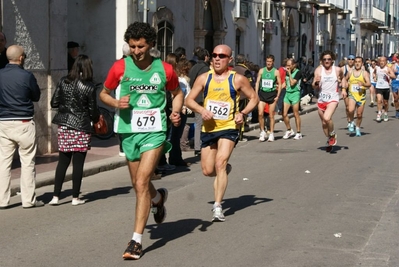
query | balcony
(371,17)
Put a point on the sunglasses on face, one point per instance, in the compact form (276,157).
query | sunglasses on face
(350,59)
(221,56)
(327,59)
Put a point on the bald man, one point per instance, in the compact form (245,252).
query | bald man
(3,49)
(221,119)
(18,91)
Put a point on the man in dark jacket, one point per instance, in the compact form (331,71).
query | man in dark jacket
(201,67)
(18,91)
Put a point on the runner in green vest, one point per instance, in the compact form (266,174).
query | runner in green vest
(141,120)
(292,98)
(268,87)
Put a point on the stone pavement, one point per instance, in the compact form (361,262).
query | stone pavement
(103,156)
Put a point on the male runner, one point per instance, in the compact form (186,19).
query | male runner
(221,119)
(268,87)
(141,120)
(395,86)
(358,81)
(383,75)
(326,81)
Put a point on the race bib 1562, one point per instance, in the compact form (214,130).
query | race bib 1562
(220,109)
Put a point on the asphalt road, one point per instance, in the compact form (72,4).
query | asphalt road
(288,203)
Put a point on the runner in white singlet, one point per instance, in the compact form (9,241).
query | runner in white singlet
(327,77)
(383,75)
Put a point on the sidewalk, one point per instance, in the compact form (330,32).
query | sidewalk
(103,156)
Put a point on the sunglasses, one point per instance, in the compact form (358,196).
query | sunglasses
(327,59)
(221,56)
(351,59)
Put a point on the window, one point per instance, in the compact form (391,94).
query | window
(165,38)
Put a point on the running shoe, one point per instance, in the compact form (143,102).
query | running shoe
(218,215)
(378,117)
(262,136)
(271,138)
(298,136)
(371,104)
(358,133)
(332,140)
(392,104)
(288,134)
(351,127)
(397,114)
(134,251)
(386,116)
(159,209)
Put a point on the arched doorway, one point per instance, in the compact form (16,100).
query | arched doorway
(209,28)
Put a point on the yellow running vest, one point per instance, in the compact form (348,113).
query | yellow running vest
(222,99)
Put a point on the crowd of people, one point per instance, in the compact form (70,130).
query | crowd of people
(153,98)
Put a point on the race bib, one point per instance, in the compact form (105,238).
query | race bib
(220,109)
(144,121)
(355,88)
(267,83)
(325,97)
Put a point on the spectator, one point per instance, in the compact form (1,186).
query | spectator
(73,52)
(18,91)
(202,66)
(75,99)
(175,154)
(180,53)
(307,79)
(3,50)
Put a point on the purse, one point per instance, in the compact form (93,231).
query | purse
(101,126)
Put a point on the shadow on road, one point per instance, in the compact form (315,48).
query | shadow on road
(231,205)
(169,231)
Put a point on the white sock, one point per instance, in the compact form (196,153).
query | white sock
(137,237)
(157,198)
(217,204)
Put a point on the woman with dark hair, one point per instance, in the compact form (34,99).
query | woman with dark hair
(75,99)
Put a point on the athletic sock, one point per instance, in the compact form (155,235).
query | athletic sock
(137,237)
(157,198)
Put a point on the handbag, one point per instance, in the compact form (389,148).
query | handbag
(101,126)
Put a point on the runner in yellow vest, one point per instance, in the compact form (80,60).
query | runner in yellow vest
(221,119)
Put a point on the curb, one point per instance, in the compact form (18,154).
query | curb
(90,168)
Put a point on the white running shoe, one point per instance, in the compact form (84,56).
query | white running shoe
(77,201)
(298,136)
(386,118)
(218,215)
(262,136)
(54,201)
(378,117)
(288,134)
(271,138)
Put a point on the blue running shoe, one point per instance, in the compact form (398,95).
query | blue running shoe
(397,114)
(358,133)
(351,127)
